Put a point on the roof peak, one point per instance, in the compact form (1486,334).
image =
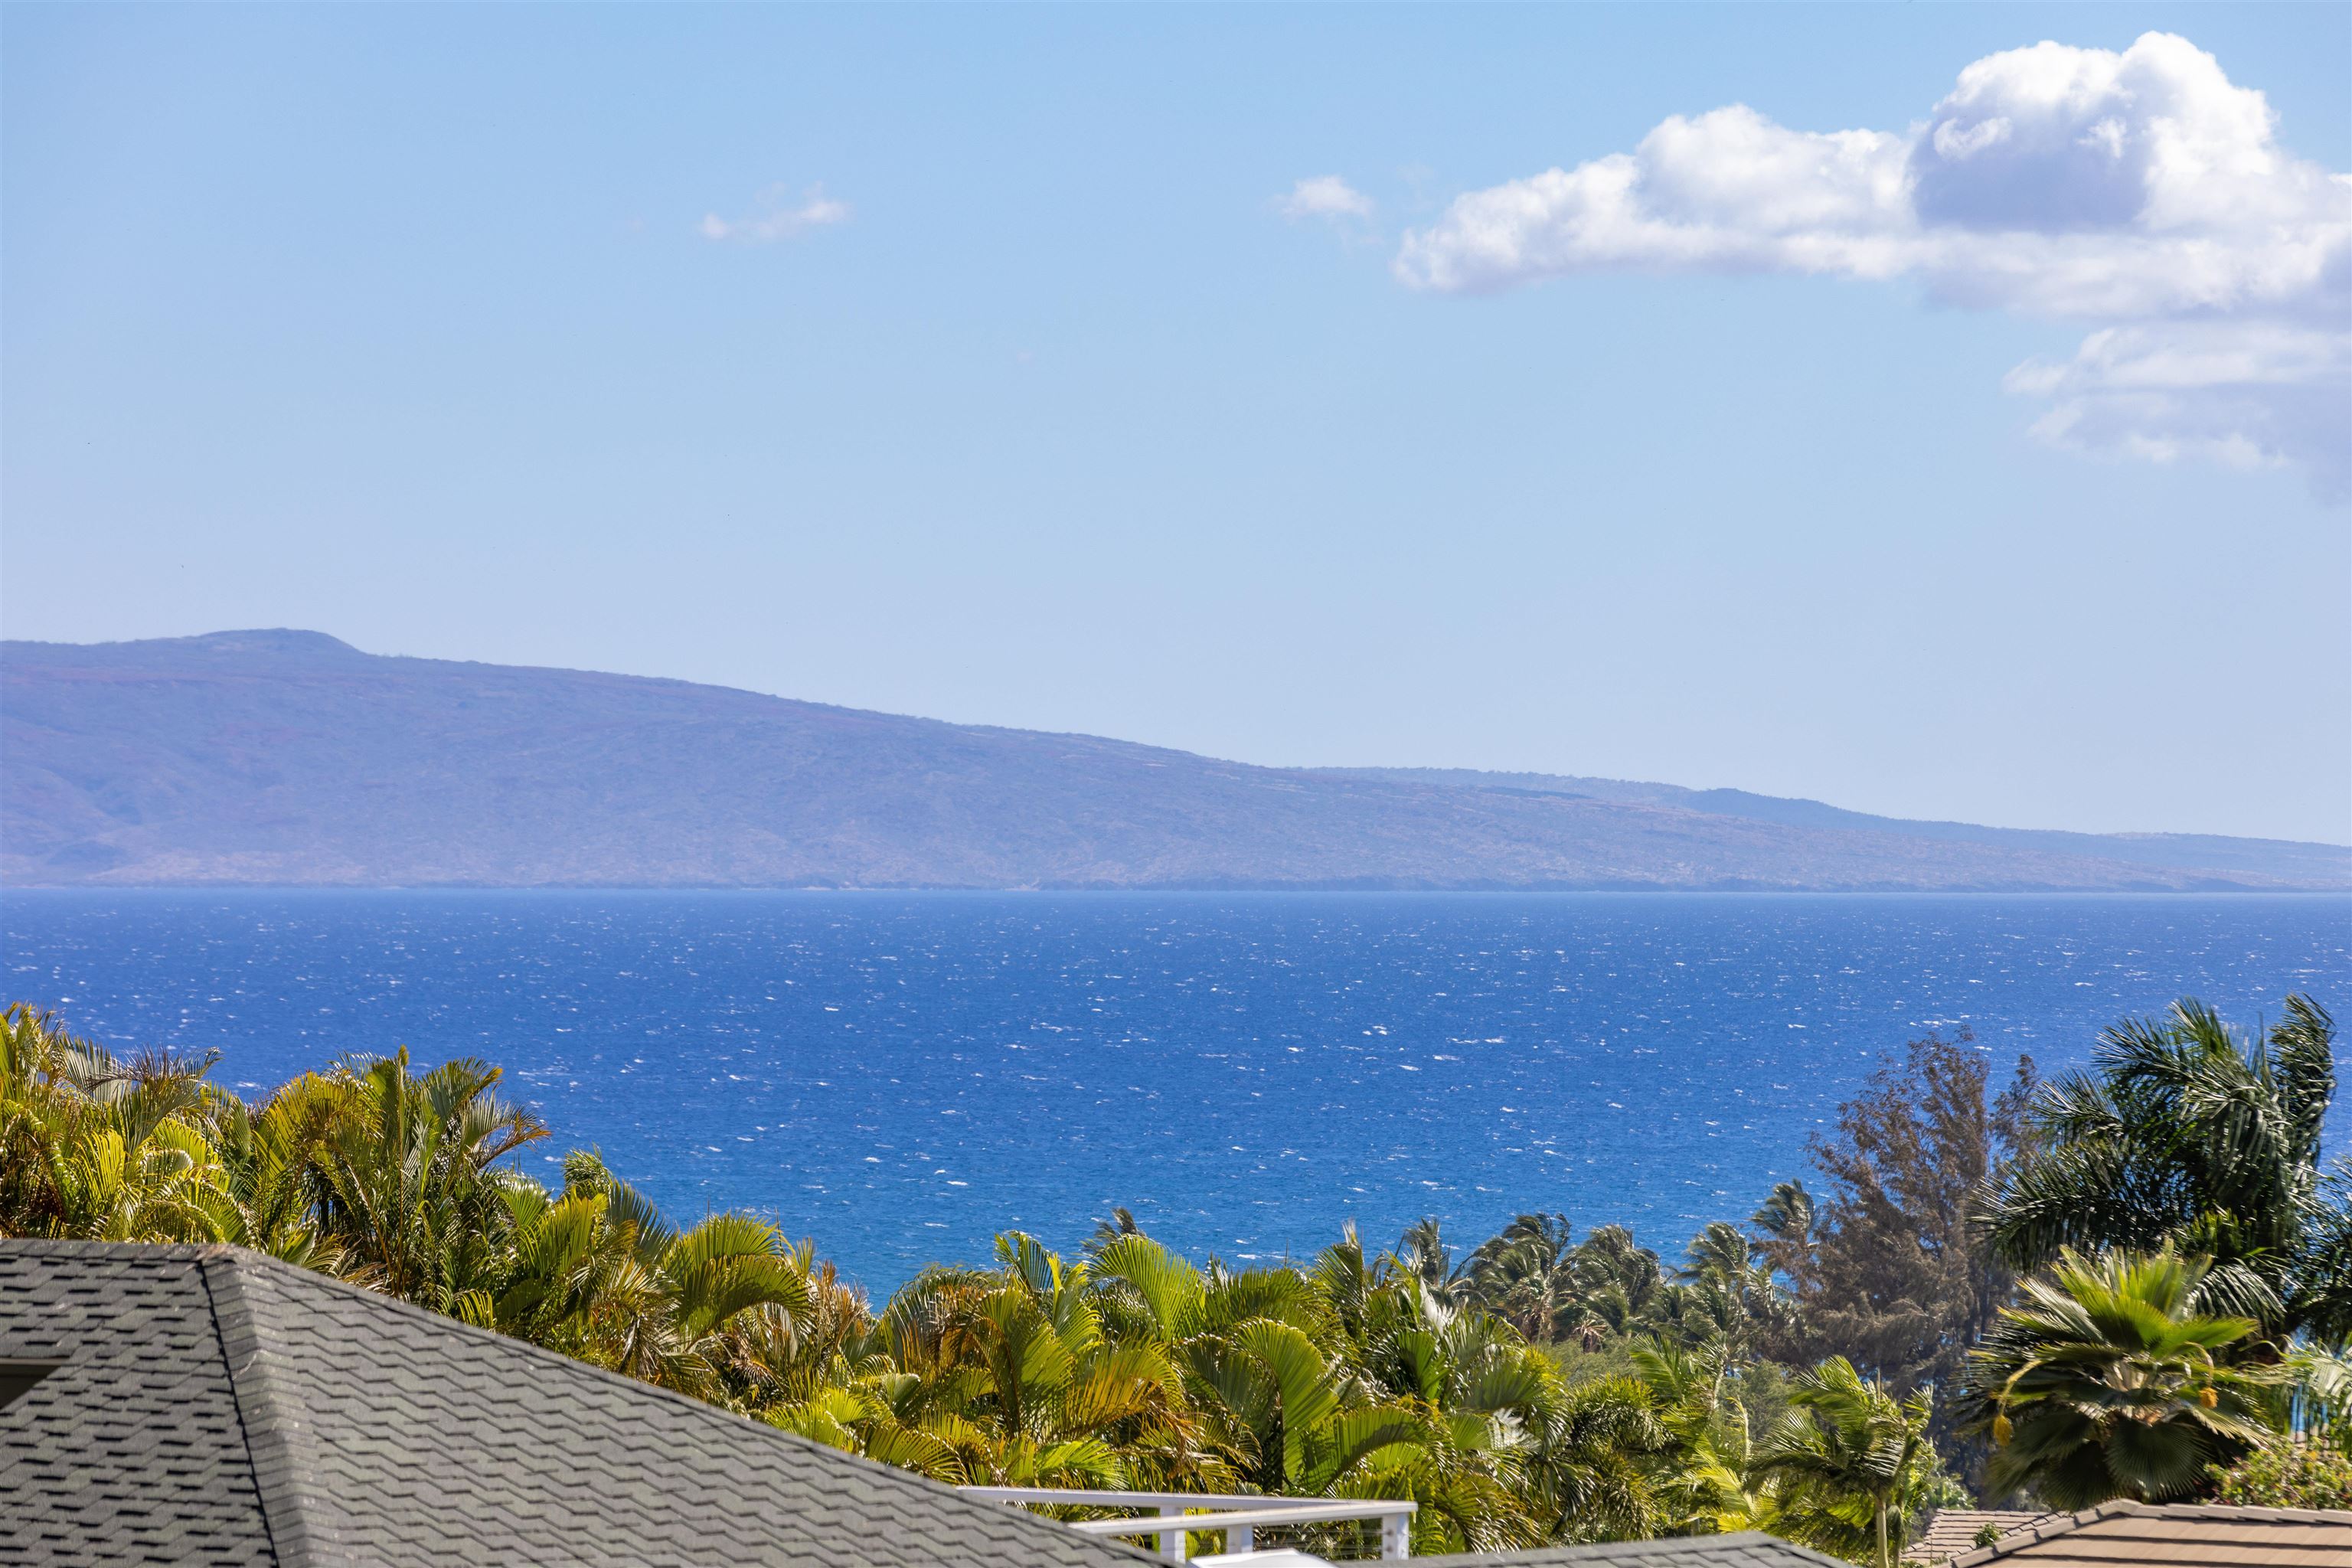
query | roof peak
(311,1414)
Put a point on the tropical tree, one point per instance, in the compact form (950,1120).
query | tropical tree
(2189,1135)
(1850,1463)
(1391,1375)
(1784,1226)
(1708,1485)
(2113,1379)
(104,1149)
(2318,1396)
(1885,1264)
(1525,1273)
(595,1271)
(1452,1401)
(2321,1301)
(1727,1296)
(1423,1253)
(406,1173)
(1593,1472)
(267,1160)
(1619,1286)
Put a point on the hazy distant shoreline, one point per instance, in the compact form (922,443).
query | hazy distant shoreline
(285,759)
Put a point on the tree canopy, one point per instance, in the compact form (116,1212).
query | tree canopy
(2128,1282)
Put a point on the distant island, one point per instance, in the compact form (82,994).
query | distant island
(287,758)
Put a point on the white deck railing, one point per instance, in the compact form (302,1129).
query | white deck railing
(1239,1516)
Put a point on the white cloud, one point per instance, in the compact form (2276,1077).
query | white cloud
(1325,196)
(2250,393)
(777,217)
(2142,192)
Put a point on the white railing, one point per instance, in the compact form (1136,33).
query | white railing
(1238,1515)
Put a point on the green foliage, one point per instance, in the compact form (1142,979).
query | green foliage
(2286,1475)
(1800,1375)
(1610,1358)
(1713,1484)
(1884,1264)
(2110,1379)
(404,1175)
(1852,1461)
(396,1181)
(2187,1135)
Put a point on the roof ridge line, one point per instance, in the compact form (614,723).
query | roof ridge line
(247,1401)
(220,1408)
(824,1453)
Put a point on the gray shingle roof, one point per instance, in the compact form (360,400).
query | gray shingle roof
(1747,1548)
(133,1451)
(213,1407)
(217,1407)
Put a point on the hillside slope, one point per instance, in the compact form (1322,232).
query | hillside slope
(2287,859)
(288,758)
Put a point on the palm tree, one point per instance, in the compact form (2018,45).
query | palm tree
(817,1345)
(1706,1484)
(1523,1273)
(596,1272)
(1591,1467)
(110,1149)
(1422,1252)
(266,1155)
(1484,1402)
(2318,1396)
(1010,1376)
(1619,1285)
(1727,1294)
(1786,1221)
(1850,1463)
(2322,1299)
(2110,1379)
(2187,1136)
(407,1178)
(1374,1384)
(1359,1378)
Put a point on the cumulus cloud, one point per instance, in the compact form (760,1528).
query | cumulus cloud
(2142,192)
(1325,196)
(778,216)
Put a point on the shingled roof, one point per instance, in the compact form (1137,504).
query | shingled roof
(206,1405)
(202,1404)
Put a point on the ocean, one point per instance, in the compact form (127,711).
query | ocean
(900,1076)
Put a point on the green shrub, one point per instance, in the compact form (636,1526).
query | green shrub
(2287,1474)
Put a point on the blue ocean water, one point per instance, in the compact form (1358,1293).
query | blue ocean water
(900,1076)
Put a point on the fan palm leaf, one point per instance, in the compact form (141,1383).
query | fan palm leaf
(2107,1380)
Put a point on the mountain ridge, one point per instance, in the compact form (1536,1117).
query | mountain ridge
(289,758)
(2213,850)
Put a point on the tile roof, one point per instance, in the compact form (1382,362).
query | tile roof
(2176,1535)
(217,1407)
(1747,1548)
(1952,1533)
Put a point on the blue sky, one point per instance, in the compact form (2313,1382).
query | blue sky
(993,364)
